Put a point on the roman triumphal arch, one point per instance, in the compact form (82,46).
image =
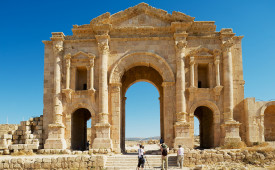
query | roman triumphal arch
(196,69)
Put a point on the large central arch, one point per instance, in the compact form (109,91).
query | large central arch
(141,66)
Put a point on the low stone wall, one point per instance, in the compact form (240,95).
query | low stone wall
(88,160)
(208,157)
(53,162)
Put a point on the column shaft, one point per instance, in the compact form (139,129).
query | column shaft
(192,73)
(228,84)
(68,64)
(217,68)
(57,112)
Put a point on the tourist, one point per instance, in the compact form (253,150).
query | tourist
(180,154)
(161,141)
(88,145)
(164,156)
(141,160)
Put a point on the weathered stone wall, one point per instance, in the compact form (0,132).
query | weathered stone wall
(27,136)
(255,114)
(191,158)
(7,128)
(53,162)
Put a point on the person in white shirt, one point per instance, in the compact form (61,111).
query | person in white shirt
(180,154)
(141,160)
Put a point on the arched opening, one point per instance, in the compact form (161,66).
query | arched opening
(206,126)
(269,123)
(79,129)
(151,121)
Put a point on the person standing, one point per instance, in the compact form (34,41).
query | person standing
(88,145)
(141,159)
(161,141)
(180,154)
(164,156)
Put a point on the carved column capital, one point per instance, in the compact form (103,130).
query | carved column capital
(103,43)
(57,49)
(226,45)
(217,60)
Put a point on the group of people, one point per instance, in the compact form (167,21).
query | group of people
(164,156)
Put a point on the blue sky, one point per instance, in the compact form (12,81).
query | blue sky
(24,24)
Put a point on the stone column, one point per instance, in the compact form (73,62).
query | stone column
(68,67)
(180,45)
(217,70)
(218,88)
(103,139)
(192,72)
(230,127)
(228,82)
(56,129)
(91,71)
(182,127)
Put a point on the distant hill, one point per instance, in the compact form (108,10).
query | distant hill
(142,139)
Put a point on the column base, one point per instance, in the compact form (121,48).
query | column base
(230,132)
(56,137)
(102,140)
(183,136)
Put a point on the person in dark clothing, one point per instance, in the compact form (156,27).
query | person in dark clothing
(88,145)
(161,141)
(141,160)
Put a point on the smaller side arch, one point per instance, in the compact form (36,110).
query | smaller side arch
(216,117)
(265,106)
(262,120)
(68,118)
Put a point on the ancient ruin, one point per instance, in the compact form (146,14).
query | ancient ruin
(197,70)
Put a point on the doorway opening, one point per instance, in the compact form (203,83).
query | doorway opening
(79,134)
(206,127)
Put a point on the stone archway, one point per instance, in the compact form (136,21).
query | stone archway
(137,74)
(269,124)
(266,113)
(141,66)
(205,117)
(79,129)
(209,117)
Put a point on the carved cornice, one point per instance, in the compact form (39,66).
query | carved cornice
(179,27)
(57,36)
